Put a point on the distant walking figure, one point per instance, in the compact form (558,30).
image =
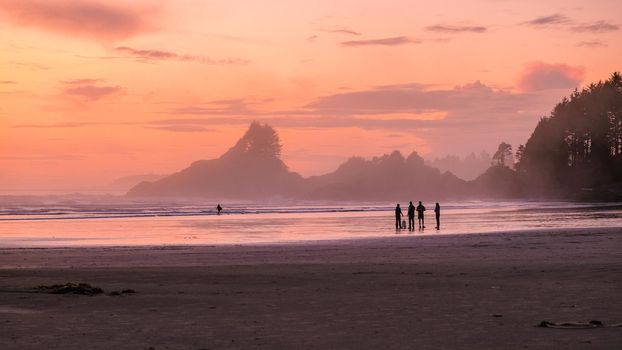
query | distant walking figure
(420,210)
(398,217)
(437,212)
(411,216)
(219,208)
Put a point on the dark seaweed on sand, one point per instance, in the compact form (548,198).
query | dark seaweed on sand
(125,291)
(71,288)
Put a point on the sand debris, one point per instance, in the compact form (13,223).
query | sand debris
(71,288)
(576,325)
(123,292)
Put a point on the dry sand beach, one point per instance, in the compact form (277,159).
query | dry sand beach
(477,291)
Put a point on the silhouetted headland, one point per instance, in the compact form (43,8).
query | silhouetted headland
(576,152)
(251,169)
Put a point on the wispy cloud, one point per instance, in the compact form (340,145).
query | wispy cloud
(417,98)
(41,158)
(81,81)
(161,55)
(592,43)
(93,92)
(83,18)
(595,27)
(550,20)
(220,107)
(249,40)
(7,82)
(152,54)
(29,65)
(53,126)
(476,114)
(455,29)
(394,107)
(340,30)
(182,128)
(391,41)
(561,21)
(89,89)
(542,76)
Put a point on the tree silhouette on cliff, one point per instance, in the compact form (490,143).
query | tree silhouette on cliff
(503,156)
(580,144)
(259,141)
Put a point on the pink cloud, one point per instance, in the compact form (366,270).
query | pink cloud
(151,54)
(81,81)
(472,104)
(182,128)
(592,43)
(454,29)
(392,41)
(561,21)
(312,38)
(551,20)
(92,92)
(88,89)
(596,27)
(83,18)
(543,76)
(340,30)
(473,114)
(54,126)
(161,55)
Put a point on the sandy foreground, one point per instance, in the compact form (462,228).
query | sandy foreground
(479,291)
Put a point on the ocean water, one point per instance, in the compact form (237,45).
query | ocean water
(62,222)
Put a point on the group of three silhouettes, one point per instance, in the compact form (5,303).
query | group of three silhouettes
(411,216)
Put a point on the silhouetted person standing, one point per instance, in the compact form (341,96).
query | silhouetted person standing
(420,210)
(437,213)
(398,217)
(219,208)
(411,216)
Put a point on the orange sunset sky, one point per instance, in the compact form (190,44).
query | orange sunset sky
(91,91)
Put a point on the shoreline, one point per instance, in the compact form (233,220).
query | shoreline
(403,234)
